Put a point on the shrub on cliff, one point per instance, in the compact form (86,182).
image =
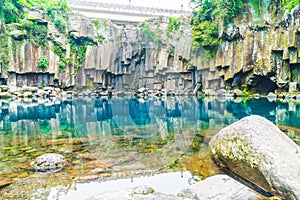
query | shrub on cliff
(43,63)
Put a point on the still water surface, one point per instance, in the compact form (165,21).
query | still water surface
(106,139)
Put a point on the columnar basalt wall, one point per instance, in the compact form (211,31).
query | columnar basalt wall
(137,57)
(259,49)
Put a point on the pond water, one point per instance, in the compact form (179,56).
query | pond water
(107,139)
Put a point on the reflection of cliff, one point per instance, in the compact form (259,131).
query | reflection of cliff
(122,116)
(103,109)
(139,112)
(32,112)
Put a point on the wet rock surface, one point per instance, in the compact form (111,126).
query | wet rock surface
(256,150)
(218,187)
(142,192)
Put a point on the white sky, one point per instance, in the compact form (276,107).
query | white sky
(170,4)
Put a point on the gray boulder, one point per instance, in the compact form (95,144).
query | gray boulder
(218,187)
(141,192)
(18,35)
(4,88)
(256,150)
(50,162)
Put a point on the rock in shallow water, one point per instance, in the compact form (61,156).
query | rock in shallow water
(4,181)
(255,149)
(138,193)
(218,187)
(50,162)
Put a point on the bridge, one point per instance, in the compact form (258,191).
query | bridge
(122,14)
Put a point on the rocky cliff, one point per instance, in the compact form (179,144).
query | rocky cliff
(259,50)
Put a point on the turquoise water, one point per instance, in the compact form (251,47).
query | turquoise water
(115,138)
(77,117)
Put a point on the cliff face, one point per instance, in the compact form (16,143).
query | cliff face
(145,56)
(259,49)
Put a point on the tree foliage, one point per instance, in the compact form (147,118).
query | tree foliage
(11,11)
(208,14)
(205,35)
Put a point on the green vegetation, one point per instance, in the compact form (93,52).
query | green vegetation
(210,15)
(4,52)
(145,28)
(37,33)
(246,92)
(12,11)
(173,25)
(207,16)
(58,50)
(78,51)
(62,66)
(205,35)
(98,25)
(289,4)
(43,63)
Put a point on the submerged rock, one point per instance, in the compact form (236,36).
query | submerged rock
(255,149)
(4,181)
(50,162)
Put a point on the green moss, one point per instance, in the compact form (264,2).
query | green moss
(236,149)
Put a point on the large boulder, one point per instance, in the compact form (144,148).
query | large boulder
(256,150)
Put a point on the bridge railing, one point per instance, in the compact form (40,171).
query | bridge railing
(117,7)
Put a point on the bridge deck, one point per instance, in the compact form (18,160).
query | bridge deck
(122,13)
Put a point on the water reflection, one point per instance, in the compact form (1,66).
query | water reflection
(117,135)
(79,116)
(121,116)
